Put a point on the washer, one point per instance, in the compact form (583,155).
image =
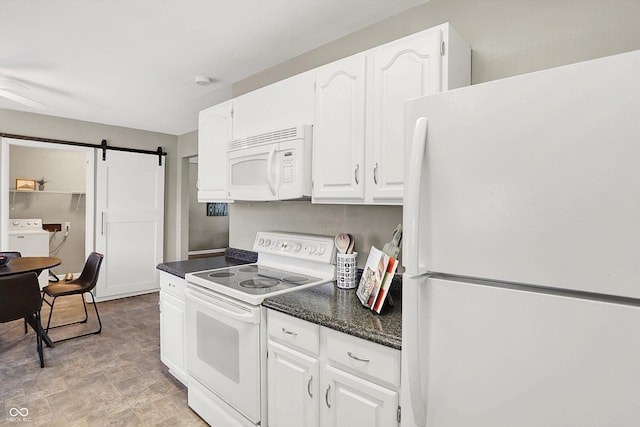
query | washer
(29,238)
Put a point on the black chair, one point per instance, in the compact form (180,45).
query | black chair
(83,284)
(15,254)
(20,298)
(11,254)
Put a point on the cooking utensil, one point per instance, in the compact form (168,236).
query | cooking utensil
(352,241)
(342,242)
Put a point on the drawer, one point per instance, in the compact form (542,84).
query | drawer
(293,332)
(362,357)
(173,285)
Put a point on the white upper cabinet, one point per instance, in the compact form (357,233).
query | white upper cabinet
(359,133)
(215,130)
(339,133)
(284,104)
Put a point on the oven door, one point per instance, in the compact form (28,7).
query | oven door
(223,348)
(253,173)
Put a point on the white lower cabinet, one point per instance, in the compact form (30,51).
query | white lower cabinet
(293,387)
(351,401)
(172,325)
(320,377)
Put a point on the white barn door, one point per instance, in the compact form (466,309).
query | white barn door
(129,222)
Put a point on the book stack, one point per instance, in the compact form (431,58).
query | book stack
(376,279)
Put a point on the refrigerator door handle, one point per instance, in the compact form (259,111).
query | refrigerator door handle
(414,359)
(412,198)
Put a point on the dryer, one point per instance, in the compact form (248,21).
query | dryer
(29,238)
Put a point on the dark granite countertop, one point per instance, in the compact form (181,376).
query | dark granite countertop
(231,257)
(340,309)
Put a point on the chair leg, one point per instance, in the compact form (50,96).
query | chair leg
(53,301)
(39,339)
(86,317)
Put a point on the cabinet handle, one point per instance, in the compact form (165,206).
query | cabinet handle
(375,174)
(197,184)
(326,396)
(102,225)
(357,358)
(309,387)
(356,173)
(289,332)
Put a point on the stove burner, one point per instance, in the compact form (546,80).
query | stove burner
(221,274)
(258,283)
(249,269)
(295,279)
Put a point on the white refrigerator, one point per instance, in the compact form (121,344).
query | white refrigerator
(521,291)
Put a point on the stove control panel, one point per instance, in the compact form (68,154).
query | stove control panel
(300,246)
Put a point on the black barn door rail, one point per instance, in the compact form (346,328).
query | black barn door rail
(102,146)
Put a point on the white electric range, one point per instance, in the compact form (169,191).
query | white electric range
(226,340)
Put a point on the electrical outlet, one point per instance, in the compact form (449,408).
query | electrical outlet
(67,226)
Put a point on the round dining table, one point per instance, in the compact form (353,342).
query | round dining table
(29,263)
(24,265)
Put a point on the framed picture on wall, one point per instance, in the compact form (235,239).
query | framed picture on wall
(216,209)
(25,184)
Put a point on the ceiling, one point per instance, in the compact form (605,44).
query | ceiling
(133,63)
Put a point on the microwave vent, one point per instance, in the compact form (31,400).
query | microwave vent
(267,138)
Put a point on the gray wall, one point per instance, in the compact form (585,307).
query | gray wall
(508,37)
(205,232)
(21,123)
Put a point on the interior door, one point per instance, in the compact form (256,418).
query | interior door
(129,223)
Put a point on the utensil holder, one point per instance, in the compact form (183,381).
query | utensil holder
(347,269)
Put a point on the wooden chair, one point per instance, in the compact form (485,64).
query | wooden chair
(83,284)
(20,298)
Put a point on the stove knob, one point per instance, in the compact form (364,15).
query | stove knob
(297,247)
(267,242)
(311,249)
(261,242)
(321,250)
(16,223)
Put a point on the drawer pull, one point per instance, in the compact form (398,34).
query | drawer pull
(289,332)
(309,387)
(357,358)
(326,396)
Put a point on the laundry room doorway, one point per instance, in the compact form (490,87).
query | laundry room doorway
(62,199)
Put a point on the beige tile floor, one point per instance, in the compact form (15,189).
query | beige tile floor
(111,379)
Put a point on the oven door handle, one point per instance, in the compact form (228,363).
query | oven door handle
(230,310)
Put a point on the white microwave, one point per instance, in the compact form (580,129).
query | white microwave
(271,166)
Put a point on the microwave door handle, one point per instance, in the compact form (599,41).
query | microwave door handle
(270,170)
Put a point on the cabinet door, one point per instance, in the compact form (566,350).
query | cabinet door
(293,384)
(214,131)
(406,69)
(172,324)
(338,144)
(349,401)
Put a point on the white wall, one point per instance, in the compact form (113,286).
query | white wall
(508,37)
